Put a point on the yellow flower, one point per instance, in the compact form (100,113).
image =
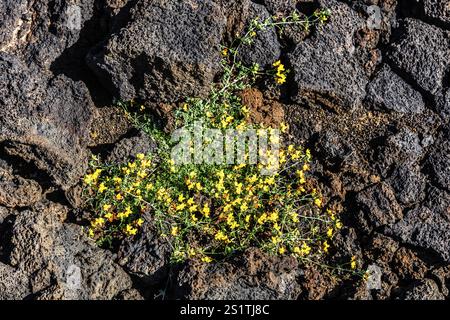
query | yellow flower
(102,187)
(193,208)
(109,216)
(318,202)
(225,52)
(185,107)
(326,246)
(284,127)
(194,218)
(106,207)
(180,207)
(191,252)
(140,222)
(91,233)
(206,211)
(282,250)
(338,224)
(88,179)
(330,232)
(276,240)
(220,236)
(130,230)
(96,174)
(174,231)
(119,197)
(207,259)
(98,222)
(262,218)
(140,156)
(117,180)
(353,263)
(181,198)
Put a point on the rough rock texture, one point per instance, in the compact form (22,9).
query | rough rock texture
(325,64)
(13,283)
(40,31)
(16,191)
(437,9)
(252,276)
(146,256)
(427,228)
(58,258)
(391,92)
(155,59)
(421,51)
(44,121)
(127,148)
(425,289)
(379,205)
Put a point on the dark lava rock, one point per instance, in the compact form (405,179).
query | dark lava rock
(13,283)
(443,103)
(425,289)
(439,165)
(379,205)
(437,9)
(266,48)
(168,50)
(146,256)
(16,191)
(46,121)
(60,260)
(404,147)
(325,64)
(408,265)
(127,148)
(39,31)
(332,148)
(250,277)
(408,183)
(389,91)
(427,226)
(421,51)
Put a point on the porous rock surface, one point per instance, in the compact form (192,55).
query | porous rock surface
(370,95)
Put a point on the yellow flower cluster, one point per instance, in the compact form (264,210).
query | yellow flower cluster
(280,76)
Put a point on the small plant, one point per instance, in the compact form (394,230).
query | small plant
(210,211)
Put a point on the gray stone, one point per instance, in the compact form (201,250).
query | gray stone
(168,51)
(127,148)
(437,9)
(146,256)
(426,226)
(422,52)
(425,289)
(254,276)
(39,31)
(408,183)
(325,64)
(379,205)
(44,120)
(389,91)
(439,165)
(404,147)
(47,250)
(266,49)
(16,191)
(13,283)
